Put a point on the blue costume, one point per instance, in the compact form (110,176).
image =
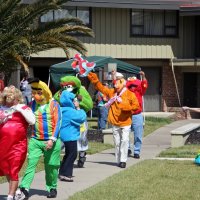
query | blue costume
(72,118)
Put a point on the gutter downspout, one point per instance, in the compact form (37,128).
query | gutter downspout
(143,110)
(172,64)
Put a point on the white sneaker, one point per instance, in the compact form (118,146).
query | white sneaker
(18,194)
(10,198)
(21,194)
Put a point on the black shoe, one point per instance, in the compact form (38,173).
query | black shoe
(137,156)
(129,152)
(52,193)
(122,164)
(80,164)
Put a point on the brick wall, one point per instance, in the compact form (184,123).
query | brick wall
(169,93)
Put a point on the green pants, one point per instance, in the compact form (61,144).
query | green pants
(36,148)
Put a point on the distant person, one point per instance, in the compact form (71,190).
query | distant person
(102,110)
(138,87)
(26,89)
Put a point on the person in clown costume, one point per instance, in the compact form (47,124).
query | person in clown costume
(73,84)
(122,103)
(138,87)
(44,140)
(15,118)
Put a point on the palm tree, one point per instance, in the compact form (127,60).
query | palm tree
(21,36)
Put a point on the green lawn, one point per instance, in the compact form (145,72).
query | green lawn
(186,151)
(148,180)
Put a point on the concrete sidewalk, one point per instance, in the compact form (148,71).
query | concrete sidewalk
(102,165)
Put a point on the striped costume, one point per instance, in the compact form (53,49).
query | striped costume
(47,127)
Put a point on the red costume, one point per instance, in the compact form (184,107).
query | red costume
(13,139)
(139,88)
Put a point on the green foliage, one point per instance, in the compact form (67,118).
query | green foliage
(21,35)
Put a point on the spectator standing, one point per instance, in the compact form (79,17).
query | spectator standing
(102,110)
(26,89)
(138,87)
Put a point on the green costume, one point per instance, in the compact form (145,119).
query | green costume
(73,84)
(36,149)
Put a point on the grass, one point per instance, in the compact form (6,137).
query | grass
(153,123)
(149,179)
(186,151)
(95,147)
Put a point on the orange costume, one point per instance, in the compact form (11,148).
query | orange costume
(122,103)
(120,112)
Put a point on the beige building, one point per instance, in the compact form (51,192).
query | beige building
(162,37)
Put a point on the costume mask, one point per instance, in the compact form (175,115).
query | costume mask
(41,92)
(133,84)
(70,83)
(119,85)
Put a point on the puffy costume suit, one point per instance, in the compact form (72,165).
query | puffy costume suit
(14,122)
(139,88)
(122,103)
(45,138)
(73,84)
(72,118)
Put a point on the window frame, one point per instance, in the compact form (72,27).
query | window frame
(164,35)
(89,25)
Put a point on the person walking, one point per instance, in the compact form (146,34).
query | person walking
(73,117)
(44,140)
(15,117)
(138,87)
(122,103)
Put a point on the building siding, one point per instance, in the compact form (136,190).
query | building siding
(112,38)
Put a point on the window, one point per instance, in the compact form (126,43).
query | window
(83,13)
(154,23)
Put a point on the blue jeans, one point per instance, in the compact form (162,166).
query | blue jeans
(102,117)
(137,128)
